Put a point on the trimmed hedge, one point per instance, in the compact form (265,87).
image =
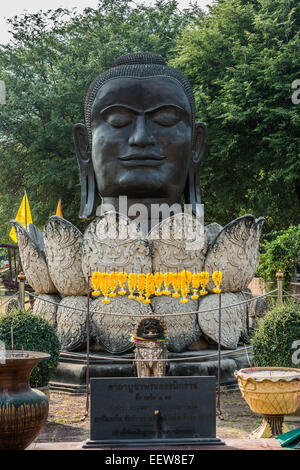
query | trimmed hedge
(34,334)
(273,339)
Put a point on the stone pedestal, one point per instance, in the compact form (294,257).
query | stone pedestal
(70,376)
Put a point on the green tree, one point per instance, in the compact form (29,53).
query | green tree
(282,253)
(241,59)
(52,59)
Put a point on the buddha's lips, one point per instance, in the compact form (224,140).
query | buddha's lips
(138,159)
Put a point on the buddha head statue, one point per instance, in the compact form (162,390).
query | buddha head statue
(140,138)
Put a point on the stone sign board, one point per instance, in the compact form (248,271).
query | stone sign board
(153,411)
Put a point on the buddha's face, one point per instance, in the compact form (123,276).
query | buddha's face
(141,138)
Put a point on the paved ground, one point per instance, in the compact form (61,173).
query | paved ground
(65,429)
(231,444)
(66,412)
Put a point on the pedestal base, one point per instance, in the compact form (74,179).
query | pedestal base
(272,426)
(153,442)
(70,376)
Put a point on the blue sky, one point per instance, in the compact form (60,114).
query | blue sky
(11,8)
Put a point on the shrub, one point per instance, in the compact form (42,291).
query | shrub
(280,254)
(273,339)
(33,333)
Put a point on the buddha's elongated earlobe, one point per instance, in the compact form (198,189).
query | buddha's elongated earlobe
(192,187)
(89,191)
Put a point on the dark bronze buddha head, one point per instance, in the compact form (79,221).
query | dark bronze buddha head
(140,139)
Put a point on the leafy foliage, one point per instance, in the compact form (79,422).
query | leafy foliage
(34,334)
(280,254)
(273,340)
(242,59)
(47,69)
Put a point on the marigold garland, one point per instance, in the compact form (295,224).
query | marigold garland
(217,278)
(167,282)
(113,284)
(158,280)
(149,287)
(176,283)
(131,285)
(104,286)
(96,280)
(204,280)
(141,281)
(150,284)
(195,285)
(186,277)
(122,278)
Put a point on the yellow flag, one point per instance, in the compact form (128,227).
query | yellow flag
(58,210)
(23,217)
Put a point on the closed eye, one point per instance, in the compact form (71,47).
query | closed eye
(118,119)
(166,118)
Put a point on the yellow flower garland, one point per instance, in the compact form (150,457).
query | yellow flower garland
(141,281)
(131,285)
(167,282)
(195,285)
(204,280)
(176,283)
(158,280)
(104,286)
(113,284)
(150,284)
(186,277)
(217,278)
(149,288)
(122,278)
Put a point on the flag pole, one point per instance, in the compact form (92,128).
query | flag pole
(219,412)
(87,377)
(25,210)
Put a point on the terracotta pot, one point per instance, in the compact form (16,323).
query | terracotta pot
(272,392)
(23,411)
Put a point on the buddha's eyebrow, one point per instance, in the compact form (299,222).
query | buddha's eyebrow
(146,111)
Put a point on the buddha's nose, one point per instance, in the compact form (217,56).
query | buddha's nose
(141,136)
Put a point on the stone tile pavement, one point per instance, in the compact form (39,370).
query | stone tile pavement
(230,444)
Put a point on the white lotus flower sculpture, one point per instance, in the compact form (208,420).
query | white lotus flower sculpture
(57,263)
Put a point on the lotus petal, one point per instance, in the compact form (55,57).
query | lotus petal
(113,331)
(178,243)
(113,243)
(33,262)
(71,324)
(212,231)
(44,307)
(63,248)
(235,252)
(232,319)
(183,330)
(37,236)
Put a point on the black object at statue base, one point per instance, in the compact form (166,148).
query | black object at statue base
(154,411)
